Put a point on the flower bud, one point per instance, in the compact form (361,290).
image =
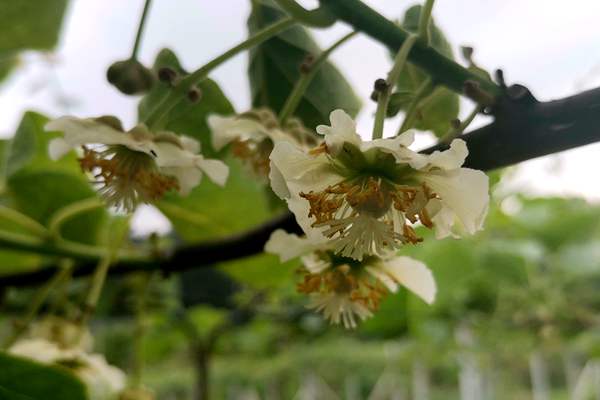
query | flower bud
(130,77)
(381,85)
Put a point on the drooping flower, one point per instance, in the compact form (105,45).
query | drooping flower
(103,381)
(345,290)
(137,166)
(252,135)
(365,197)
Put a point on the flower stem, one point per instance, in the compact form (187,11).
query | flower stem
(423,91)
(291,104)
(318,18)
(425,21)
(70,211)
(393,76)
(443,70)
(453,133)
(100,273)
(23,220)
(64,248)
(179,92)
(38,300)
(140,31)
(140,330)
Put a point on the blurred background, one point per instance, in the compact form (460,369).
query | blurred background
(517,312)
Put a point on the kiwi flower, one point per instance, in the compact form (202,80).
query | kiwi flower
(252,135)
(137,166)
(346,290)
(366,197)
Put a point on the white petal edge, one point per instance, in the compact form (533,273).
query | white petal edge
(464,191)
(57,148)
(287,245)
(412,274)
(216,170)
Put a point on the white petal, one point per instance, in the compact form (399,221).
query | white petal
(78,131)
(391,145)
(187,177)
(216,170)
(342,129)
(57,148)
(287,245)
(464,191)
(301,170)
(278,184)
(190,144)
(412,274)
(449,159)
(227,129)
(294,172)
(382,276)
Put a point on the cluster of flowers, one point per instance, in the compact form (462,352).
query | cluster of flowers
(357,201)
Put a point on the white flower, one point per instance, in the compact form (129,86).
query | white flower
(252,135)
(103,381)
(137,166)
(344,289)
(365,197)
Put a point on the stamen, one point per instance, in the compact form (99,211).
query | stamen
(370,215)
(126,177)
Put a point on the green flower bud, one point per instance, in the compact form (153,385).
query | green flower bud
(130,77)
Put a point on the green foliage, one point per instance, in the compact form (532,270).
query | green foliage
(439,108)
(39,186)
(186,118)
(274,68)
(22,379)
(209,211)
(28,25)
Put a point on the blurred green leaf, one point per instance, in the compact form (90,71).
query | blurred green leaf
(274,68)
(211,212)
(23,379)
(28,149)
(557,221)
(40,194)
(263,271)
(186,118)
(28,25)
(391,320)
(39,186)
(436,111)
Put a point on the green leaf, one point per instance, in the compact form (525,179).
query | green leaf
(186,118)
(436,111)
(263,271)
(274,68)
(39,186)
(39,194)
(28,149)
(28,25)
(23,379)
(210,211)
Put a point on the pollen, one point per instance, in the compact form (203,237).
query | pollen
(369,215)
(125,177)
(344,281)
(254,154)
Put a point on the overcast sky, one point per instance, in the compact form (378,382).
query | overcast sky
(549,45)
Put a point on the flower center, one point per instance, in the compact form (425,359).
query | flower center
(126,177)
(254,154)
(369,215)
(344,279)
